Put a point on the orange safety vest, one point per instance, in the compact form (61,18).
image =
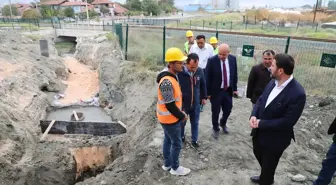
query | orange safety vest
(162,113)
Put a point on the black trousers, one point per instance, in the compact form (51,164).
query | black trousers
(268,160)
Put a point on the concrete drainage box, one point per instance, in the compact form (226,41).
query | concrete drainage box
(91,128)
(91,120)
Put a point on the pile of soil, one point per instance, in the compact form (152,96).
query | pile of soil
(25,77)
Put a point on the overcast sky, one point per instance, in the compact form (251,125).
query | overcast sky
(284,3)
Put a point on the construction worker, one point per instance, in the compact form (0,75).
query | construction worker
(192,82)
(190,41)
(169,111)
(214,44)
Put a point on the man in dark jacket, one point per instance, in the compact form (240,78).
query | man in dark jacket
(259,77)
(328,164)
(274,116)
(192,82)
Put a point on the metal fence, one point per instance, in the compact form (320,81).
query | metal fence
(148,45)
(27,24)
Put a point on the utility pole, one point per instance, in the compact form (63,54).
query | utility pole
(10,9)
(315,11)
(87,12)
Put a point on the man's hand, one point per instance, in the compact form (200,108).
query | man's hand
(203,101)
(253,121)
(185,116)
(235,94)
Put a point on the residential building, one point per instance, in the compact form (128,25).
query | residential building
(114,8)
(77,6)
(55,4)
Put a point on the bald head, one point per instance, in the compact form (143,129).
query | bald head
(223,51)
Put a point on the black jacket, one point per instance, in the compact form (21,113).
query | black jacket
(279,117)
(214,75)
(332,129)
(257,81)
(193,88)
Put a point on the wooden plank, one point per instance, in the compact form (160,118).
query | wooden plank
(47,130)
(122,124)
(92,128)
(75,114)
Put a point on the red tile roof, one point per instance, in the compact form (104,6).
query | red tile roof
(96,2)
(54,2)
(22,7)
(119,9)
(75,4)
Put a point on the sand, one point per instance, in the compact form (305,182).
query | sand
(7,69)
(82,82)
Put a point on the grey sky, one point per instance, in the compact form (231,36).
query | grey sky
(285,3)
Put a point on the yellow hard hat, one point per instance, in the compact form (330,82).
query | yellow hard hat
(189,33)
(175,55)
(213,40)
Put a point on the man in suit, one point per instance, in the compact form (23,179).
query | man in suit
(221,81)
(274,116)
(329,164)
(259,77)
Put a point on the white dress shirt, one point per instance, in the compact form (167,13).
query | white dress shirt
(277,90)
(227,73)
(204,54)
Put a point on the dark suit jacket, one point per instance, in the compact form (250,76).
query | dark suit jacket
(257,81)
(332,128)
(214,75)
(279,117)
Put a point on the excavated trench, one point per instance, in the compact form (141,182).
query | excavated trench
(96,82)
(76,125)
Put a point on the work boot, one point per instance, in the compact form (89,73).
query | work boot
(181,171)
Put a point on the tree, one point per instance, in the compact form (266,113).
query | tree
(104,10)
(307,6)
(69,12)
(149,6)
(31,14)
(133,5)
(48,12)
(6,10)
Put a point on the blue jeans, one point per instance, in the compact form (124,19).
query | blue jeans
(172,144)
(328,167)
(194,115)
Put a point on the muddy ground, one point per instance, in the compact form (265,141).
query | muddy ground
(127,91)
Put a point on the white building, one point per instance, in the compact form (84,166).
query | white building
(225,4)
